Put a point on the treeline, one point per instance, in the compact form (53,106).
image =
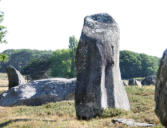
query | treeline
(22,57)
(131,64)
(3,31)
(57,65)
(61,63)
(137,65)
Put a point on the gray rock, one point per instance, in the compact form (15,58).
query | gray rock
(133,82)
(125,83)
(149,80)
(39,92)
(161,91)
(14,77)
(131,122)
(99,83)
(138,83)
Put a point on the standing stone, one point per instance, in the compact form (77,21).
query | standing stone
(134,82)
(138,83)
(99,84)
(125,83)
(14,77)
(161,91)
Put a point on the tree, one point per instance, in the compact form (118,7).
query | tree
(3,58)
(61,64)
(19,58)
(38,68)
(137,65)
(150,64)
(3,31)
(73,43)
(130,64)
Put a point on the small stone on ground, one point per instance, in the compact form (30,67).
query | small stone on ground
(131,122)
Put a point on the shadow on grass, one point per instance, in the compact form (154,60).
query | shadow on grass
(18,120)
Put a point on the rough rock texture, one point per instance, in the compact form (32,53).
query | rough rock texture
(99,83)
(131,122)
(138,83)
(125,83)
(133,81)
(161,91)
(39,92)
(149,80)
(14,77)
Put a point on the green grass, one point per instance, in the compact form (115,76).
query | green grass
(60,108)
(3,76)
(62,114)
(3,80)
(139,78)
(112,112)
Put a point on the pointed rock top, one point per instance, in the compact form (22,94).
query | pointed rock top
(14,77)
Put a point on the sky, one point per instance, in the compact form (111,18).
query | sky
(47,24)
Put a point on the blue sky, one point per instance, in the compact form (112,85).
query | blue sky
(47,24)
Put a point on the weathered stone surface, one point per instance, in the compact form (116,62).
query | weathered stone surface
(39,92)
(99,83)
(14,77)
(131,122)
(138,83)
(125,83)
(133,82)
(161,91)
(149,80)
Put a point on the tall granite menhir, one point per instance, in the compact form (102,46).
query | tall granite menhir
(99,83)
(161,91)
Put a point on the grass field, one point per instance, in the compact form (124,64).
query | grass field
(3,80)
(62,114)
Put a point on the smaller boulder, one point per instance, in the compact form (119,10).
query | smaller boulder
(133,81)
(138,83)
(14,77)
(125,83)
(131,122)
(149,80)
(39,92)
